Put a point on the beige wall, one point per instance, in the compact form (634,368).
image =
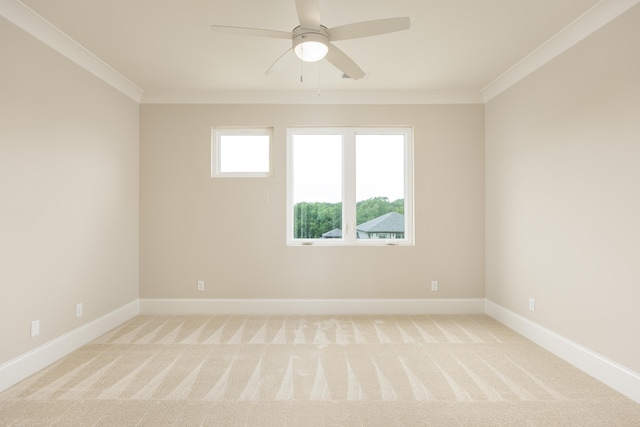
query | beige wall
(231,232)
(563,193)
(68,194)
(562,202)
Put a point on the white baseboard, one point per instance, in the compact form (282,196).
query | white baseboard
(612,374)
(311,306)
(27,364)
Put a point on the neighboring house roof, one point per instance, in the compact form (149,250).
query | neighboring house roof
(336,233)
(391,222)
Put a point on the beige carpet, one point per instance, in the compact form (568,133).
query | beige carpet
(313,371)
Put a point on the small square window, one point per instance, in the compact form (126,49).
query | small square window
(241,152)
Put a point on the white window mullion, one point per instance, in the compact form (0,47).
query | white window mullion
(349,186)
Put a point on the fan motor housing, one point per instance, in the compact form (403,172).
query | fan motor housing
(305,35)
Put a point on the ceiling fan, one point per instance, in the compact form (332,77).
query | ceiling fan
(311,41)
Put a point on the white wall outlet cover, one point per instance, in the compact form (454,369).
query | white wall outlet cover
(79,310)
(35,328)
(201,285)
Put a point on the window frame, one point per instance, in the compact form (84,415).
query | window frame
(349,235)
(216,156)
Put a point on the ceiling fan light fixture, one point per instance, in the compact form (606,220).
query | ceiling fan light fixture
(311,51)
(311,46)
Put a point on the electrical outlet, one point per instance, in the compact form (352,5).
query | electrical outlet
(79,310)
(35,328)
(434,285)
(532,304)
(201,285)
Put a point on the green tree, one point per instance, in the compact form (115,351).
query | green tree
(369,209)
(312,220)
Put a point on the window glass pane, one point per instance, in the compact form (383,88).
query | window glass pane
(317,186)
(380,187)
(244,153)
(349,186)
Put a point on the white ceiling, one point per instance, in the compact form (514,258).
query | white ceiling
(453,46)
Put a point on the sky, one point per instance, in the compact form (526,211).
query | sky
(244,153)
(318,167)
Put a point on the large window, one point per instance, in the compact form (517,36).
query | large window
(240,152)
(349,186)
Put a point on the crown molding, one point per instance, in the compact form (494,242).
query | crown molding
(592,20)
(32,23)
(599,15)
(313,97)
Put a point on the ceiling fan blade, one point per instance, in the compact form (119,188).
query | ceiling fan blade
(281,63)
(369,28)
(343,63)
(256,32)
(308,13)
